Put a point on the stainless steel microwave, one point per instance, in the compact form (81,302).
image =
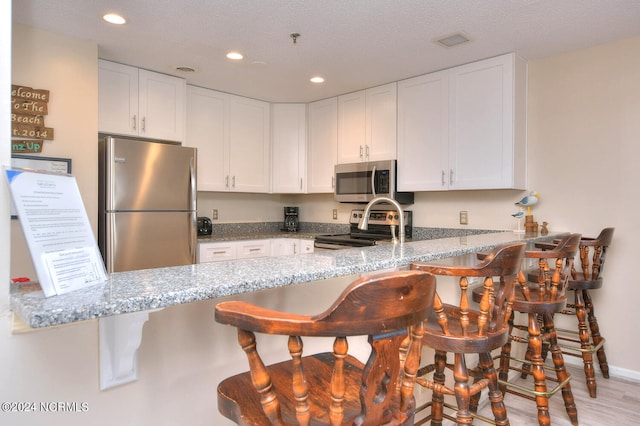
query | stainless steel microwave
(361,182)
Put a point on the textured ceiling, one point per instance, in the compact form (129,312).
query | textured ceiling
(354,44)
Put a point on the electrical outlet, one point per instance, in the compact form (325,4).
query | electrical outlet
(335,214)
(464,217)
(214,214)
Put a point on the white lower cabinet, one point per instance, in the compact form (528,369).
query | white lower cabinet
(288,246)
(253,248)
(216,252)
(246,249)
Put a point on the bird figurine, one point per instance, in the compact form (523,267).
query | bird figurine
(518,216)
(529,201)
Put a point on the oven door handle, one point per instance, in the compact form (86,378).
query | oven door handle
(373,182)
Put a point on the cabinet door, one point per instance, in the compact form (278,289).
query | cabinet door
(351,127)
(306,246)
(481,133)
(289,148)
(161,106)
(249,145)
(117,98)
(423,133)
(323,145)
(283,246)
(206,130)
(381,119)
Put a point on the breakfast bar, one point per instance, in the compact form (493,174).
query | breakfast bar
(123,303)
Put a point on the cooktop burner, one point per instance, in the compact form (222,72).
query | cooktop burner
(380,223)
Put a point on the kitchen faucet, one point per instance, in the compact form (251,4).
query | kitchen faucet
(364,222)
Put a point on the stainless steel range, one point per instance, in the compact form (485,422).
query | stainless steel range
(380,227)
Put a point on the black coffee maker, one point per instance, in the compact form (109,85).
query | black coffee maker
(290,219)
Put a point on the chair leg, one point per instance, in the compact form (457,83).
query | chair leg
(561,372)
(505,358)
(539,377)
(595,334)
(496,397)
(462,390)
(585,342)
(437,398)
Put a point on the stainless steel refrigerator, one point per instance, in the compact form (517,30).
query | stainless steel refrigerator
(147,204)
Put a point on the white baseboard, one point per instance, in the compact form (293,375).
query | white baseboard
(617,372)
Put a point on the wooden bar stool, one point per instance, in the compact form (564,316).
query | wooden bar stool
(334,387)
(540,300)
(593,252)
(459,330)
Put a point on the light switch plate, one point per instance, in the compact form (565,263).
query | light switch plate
(335,214)
(214,214)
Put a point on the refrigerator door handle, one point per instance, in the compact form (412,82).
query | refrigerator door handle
(192,182)
(111,243)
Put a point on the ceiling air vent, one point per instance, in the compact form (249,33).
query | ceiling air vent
(185,69)
(453,40)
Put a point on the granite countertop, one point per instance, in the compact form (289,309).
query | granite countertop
(142,290)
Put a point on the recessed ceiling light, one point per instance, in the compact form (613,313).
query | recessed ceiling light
(235,56)
(453,40)
(316,80)
(114,18)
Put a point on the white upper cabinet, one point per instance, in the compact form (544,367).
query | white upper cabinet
(381,119)
(483,146)
(232,137)
(208,131)
(323,145)
(423,132)
(367,124)
(288,148)
(249,151)
(141,103)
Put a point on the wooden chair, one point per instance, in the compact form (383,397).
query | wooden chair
(592,252)
(540,300)
(333,388)
(460,330)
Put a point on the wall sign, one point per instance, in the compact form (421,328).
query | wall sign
(28,108)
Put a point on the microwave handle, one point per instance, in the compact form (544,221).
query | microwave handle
(373,182)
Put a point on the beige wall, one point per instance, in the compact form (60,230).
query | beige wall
(583,111)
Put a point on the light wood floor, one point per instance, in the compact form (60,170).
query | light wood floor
(618,403)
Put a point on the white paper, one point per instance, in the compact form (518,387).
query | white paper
(57,230)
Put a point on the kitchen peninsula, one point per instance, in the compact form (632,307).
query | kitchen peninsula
(305,283)
(136,291)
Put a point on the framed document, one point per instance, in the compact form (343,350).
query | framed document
(45,164)
(57,230)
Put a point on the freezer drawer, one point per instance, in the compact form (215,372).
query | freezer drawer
(142,240)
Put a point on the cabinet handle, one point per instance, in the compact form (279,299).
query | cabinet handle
(226,181)
(254,249)
(233,182)
(144,126)
(451,177)
(135,119)
(361,151)
(300,184)
(219,252)
(333,182)
(366,151)
(443,183)
(295,248)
